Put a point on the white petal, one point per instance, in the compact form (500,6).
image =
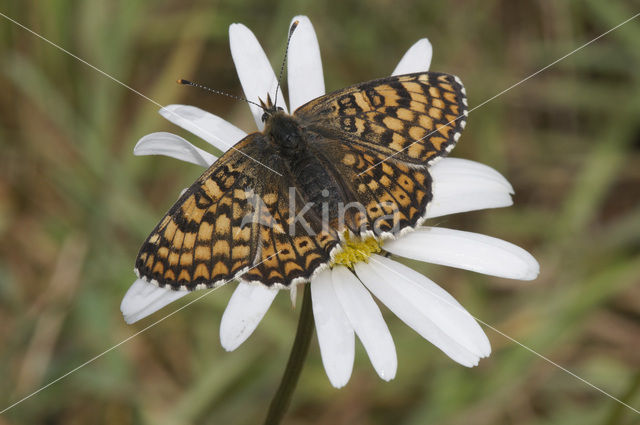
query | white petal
(168,144)
(245,310)
(335,333)
(366,319)
(144,298)
(460,185)
(211,128)
(417,58)
(426,308)
(254,70)
(452,167)
(466,250)
(304,67)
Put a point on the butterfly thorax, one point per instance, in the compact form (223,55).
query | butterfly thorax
(318,184)
(284,133)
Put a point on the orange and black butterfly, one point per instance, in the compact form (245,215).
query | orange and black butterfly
(368,145)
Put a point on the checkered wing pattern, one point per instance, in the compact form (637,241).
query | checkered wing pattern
(233,222)
(389,195)
(414,118)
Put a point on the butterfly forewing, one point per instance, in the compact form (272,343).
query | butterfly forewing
(415,117)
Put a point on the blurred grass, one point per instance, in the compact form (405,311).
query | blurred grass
(75,205)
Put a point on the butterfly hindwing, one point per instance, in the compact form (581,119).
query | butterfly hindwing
(385,195)
(287,252)
(415,117)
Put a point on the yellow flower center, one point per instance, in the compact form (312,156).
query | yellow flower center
(356,250)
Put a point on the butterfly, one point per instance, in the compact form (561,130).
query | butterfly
(352,162)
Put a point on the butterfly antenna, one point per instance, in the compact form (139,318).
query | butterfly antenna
(232,96)
(286,50)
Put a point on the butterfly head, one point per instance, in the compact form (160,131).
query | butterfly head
(269,108)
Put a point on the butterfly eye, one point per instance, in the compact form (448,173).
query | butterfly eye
(280,108)
(264,117)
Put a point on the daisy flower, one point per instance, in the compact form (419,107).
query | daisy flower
(342,295)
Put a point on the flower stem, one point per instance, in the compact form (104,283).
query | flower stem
(282,398)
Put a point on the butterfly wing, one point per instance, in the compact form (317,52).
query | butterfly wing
(389,196)
(415,118)
(233,222)
(378,138)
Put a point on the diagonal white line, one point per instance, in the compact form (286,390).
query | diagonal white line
(506,90)
(531,350)
(131,88)
(91,360)
(548,360)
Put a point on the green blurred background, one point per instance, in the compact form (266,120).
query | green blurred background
(75,205)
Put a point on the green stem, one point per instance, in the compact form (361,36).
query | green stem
(282,398)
